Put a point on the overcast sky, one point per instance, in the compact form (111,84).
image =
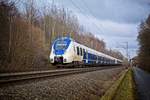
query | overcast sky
(114,21)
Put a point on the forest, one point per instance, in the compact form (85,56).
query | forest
(27,31)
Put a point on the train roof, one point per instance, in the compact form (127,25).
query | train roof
(68,38)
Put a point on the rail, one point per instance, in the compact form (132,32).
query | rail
(20,76)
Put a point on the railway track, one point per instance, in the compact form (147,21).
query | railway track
(20,76)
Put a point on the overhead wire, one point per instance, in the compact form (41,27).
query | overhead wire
(90,11)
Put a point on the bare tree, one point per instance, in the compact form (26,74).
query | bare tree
(144,42)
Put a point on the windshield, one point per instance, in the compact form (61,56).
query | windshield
(60,45)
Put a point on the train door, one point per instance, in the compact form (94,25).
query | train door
(85,56)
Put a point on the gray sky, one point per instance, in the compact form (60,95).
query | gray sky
(114,21)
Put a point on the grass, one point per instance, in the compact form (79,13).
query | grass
(123,89)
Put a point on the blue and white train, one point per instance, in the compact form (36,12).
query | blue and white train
(66,51)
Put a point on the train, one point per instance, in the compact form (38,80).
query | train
(66,51)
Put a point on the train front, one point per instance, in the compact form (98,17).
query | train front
(60,52)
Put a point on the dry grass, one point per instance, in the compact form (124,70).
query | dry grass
(123,89)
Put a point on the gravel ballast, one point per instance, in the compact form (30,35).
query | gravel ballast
(85,86)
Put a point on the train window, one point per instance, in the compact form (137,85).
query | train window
(100,58)
(81,51)
(103,59)
(77,50)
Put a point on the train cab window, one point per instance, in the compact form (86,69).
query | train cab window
(81,51)
(77,50)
